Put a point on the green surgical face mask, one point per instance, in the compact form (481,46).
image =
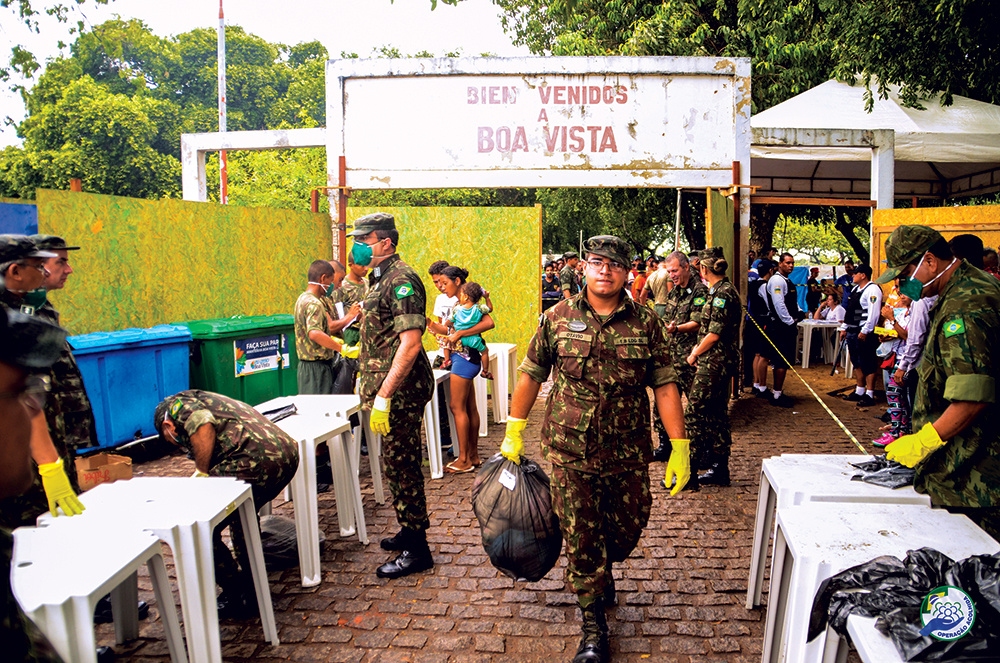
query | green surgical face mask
(35,298)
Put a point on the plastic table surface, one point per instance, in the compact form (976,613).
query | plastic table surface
(815,542)
(183,512)
(60,598)
(797,479)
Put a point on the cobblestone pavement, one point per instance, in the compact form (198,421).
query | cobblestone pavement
(682,592)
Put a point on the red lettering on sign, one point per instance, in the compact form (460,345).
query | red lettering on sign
(577,143)
(545,93)
(520,140)
(509,95)
(593,137)
(559,94)
(622,96)
(494,94)
(608,140)
(551,138)
(485,139)
(502,139)
(573,95)
(595,94)
(473,95)
(543,116)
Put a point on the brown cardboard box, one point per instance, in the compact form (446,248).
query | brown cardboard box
(102,468)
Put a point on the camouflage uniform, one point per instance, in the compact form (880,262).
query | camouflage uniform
(958,365)
(706,417)
(317,364)
(70,422)
(569,279)
(684,305)
(596,432)
(248,447)
(396,302)
(348,294)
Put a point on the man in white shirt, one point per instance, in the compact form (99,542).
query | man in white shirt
(863,309)
(783,332)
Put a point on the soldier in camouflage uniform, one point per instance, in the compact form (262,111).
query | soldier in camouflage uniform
(956,451)
(227,438)
(28,347)
(319,355)
(395,382)
(715,358)
(605,350)
(569,279)
(352,291)
(67,411)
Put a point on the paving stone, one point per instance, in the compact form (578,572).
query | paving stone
(490,643)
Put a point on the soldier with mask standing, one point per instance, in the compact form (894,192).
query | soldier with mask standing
(956,449)
(395,382)
(604,350)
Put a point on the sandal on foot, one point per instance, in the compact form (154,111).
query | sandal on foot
(451,469)
(486,374)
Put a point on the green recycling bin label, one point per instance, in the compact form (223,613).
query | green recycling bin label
(261,353)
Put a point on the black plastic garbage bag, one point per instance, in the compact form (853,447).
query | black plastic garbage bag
(513,505)
(279,543)
(881,471)
(280,413)
(893,591)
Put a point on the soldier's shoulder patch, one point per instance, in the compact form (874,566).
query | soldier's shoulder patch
(404,290)
(777,291)
(719,302)
(954,328)
(175,408)
(699,301)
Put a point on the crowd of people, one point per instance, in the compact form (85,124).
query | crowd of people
(671,326)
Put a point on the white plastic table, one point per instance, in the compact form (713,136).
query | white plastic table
(432,424)
(183,512)
(60,597)
(817,541)
(828,329)
(503,365)
(798,479)
(872,646)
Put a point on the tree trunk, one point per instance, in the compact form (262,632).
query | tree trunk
(762,220)
(846,225)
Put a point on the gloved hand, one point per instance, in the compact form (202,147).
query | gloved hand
(58,491)
(350,351)
(380,415)
(198,474)
(679,465)
(909,450)
(513,446)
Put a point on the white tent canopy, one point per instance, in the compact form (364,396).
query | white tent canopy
(941,151)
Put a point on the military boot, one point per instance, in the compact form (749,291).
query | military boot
(413,558)
(594,644)
(610,595)
(716,475)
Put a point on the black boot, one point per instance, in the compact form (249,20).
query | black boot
(395,542)
(716,475)
(662,453)
(610,595)
(692,484)
(415,557)
(594,644)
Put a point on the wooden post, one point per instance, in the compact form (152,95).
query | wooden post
(314,201)
(342,213)
(75,185)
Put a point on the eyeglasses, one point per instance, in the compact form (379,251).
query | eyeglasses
(40,267)
(36,387)
(599,265)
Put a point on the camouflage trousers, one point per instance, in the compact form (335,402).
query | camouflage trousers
(685,376)
(706,419)
(22,510)
(601,519)
(267,479)
(402,455)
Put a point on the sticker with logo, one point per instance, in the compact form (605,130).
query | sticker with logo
(954,328)
(699,301)
(404,290)
(947,613)
(719,302)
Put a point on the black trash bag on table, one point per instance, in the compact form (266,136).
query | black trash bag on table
(881,471)
(513,505)
(893,591)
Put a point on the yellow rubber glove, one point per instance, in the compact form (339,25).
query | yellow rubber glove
(350,351)
(380,415)
(513,446)
(198,474)
(909,450)
(679,465)
(58,491)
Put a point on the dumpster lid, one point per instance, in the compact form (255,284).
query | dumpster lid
(159,334)
(237,325)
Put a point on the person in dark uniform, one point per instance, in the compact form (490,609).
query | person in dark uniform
(228,438)
(758,320)
(783,331)
(604,350)
(395,382)
(863,309)
(716,359)
(28,347)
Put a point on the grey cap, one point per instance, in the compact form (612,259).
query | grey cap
(52,243)
(371,223)
(19,247)
(29,342)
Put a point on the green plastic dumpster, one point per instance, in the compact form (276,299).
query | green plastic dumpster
(249,358)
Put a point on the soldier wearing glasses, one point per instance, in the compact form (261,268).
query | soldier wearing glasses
(604,350)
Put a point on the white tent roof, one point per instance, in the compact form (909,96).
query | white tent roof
(941,150)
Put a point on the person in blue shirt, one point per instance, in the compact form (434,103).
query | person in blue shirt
(846,282)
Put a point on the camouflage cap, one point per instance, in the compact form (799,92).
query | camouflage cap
(19,247)
(51,243)
(714,252)
(569,255)
(610,247)
(29,342)
(371,223)
(905,246)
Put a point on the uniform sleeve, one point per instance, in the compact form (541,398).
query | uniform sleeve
(565,280)
(697,312)
(725,308)
(873,298)
(315,318)
(407,305)
(197,419)
(776,290)
(967,357)
(537,363)
(663,368)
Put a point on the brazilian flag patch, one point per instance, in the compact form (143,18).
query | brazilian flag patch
(404,290)
(699,301)
(175,408)
(954,328)
(719,302)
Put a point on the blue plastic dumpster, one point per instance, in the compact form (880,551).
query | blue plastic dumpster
(127,373)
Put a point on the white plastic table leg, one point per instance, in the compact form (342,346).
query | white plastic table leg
(255,551)
(807,336)
(761,534)
(168,610)
(374,456)
(346,441)
(432,431)
(124,602)
(342,482)
(479,384)
(777,601)
(306,512)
